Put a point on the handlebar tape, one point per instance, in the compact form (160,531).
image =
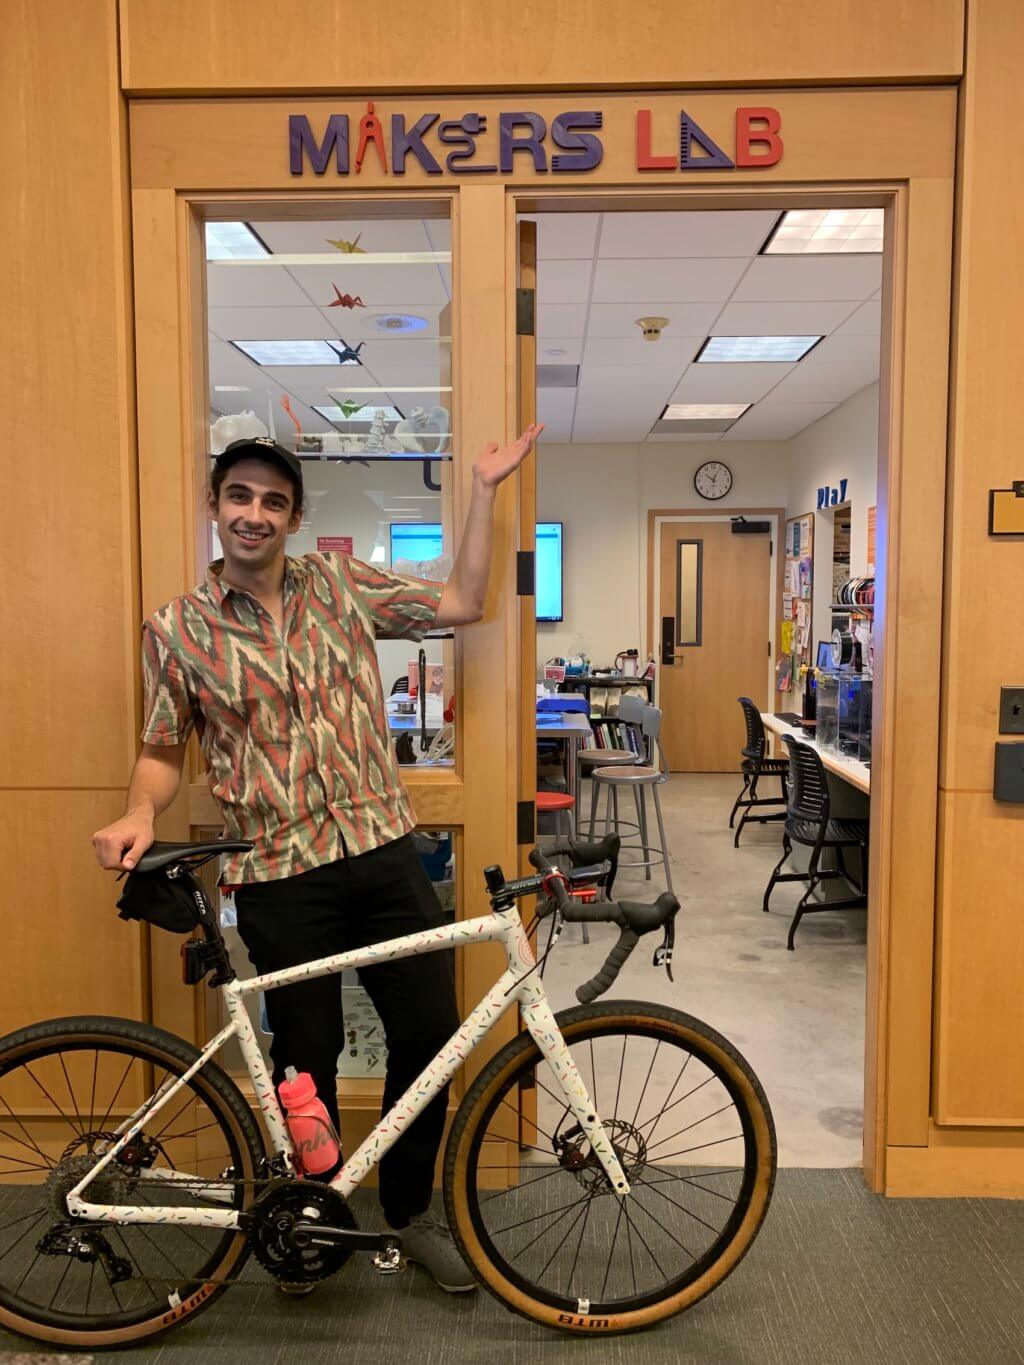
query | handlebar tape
(615,960)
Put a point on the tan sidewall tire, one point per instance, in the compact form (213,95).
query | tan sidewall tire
(238,1251)
(711,1044)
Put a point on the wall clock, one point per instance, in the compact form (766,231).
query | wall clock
(713,480)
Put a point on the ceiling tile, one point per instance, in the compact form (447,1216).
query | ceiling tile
(560,319)
(565,236)
(615,378)
(269,324)
(564,281)
(866,321)
(375,235)
(608,430)
(698,281)
(397,287)
(635,351)
(776,422)
(555,409)
(639,235)
(782,319)
(795,278)
(835,369)
(619,319)
(728,383)
(572,348)
(239,286)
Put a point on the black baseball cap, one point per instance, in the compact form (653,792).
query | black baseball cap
(261,448)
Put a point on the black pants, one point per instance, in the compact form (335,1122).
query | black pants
(332,909)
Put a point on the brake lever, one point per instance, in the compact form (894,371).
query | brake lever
(663,952)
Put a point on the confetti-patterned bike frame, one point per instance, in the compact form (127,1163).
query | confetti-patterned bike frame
(519,983)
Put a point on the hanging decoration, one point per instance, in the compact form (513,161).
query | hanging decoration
(341,300)
(347,355)
(347,248)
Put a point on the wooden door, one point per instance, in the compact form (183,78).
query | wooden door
(715,587)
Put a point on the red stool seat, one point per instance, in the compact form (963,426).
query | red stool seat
(550,801)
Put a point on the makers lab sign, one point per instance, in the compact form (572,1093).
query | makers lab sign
(569,144)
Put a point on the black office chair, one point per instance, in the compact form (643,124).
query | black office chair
(754,766)
(809,822)
(400,685)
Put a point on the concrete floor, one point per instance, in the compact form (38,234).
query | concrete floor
(797,1017)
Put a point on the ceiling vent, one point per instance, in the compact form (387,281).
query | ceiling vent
(558,376)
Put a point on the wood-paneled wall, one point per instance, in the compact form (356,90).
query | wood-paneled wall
(213,46)
(979,1053)
(69,599)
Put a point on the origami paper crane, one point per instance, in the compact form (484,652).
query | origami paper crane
(341,300)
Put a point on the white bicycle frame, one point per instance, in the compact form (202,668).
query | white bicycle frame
(518,984)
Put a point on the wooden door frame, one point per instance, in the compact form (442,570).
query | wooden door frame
(913,405)
(656,516)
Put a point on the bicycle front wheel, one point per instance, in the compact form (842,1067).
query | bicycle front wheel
(67,1088)
(533,1211)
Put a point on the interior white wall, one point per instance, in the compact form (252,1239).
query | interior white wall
(602,494)
(841,445)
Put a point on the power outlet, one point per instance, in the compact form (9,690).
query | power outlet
(1011,710)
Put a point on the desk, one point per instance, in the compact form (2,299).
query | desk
(574,728)
(857,774)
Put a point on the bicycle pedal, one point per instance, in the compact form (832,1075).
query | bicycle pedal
(388,1261)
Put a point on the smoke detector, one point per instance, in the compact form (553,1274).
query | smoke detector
(652,328)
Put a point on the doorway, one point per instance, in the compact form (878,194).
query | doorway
(684,461)
(715,585)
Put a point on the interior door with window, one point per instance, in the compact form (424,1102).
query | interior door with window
(713,624)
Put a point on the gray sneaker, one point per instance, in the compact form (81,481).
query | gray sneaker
(428,1243)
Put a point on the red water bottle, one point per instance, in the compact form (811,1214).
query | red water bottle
(317,1147)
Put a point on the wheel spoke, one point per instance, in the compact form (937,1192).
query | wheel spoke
(696,1124)
(716,1143)
(576,1257)
(682,1208)
(30,1144)
(611,1252)
(71,1095)
(120,1085)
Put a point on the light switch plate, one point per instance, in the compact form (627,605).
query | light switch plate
(1011,710)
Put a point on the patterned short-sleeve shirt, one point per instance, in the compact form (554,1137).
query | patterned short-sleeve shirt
(293,723)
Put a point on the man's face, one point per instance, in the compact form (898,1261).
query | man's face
(254,514)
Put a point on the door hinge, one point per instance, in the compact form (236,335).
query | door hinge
(526,578)
(525,822)
(525,312)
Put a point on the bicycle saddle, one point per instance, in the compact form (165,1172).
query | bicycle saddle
(160,855)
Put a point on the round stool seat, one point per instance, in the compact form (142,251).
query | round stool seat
(552,801)
(632,773)
(607,756)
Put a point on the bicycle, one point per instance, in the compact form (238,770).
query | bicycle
(125,1212)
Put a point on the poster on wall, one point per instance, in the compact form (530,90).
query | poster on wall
(872,517)
(341,544)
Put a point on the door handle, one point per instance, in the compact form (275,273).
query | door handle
(668,636)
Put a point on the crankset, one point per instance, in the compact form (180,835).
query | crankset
(301,1232)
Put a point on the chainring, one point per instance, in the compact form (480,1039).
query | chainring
(275,1214)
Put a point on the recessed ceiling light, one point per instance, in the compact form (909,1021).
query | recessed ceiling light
(556,350)
(231,388)
(818,232)
(333,413)
(736,350)
(294,352)
(397,322)
(233,242)
(696,412)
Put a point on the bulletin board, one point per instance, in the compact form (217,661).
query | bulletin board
(796,625)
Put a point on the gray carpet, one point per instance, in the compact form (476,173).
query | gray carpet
(837,1276)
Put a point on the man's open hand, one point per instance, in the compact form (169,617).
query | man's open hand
(495,462)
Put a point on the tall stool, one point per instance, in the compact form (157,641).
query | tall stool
(641,777)
(559,804)
(809,822)
(629,715)
(755,765)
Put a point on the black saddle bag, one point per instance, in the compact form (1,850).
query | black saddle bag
(157,899)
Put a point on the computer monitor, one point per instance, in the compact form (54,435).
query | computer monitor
(824,654)
(417,542)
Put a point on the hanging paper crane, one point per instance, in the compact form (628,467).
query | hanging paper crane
(350,407)
(349,248)
(286,404)
(347,355)
(341,300)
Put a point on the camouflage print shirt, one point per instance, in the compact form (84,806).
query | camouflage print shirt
(293,724)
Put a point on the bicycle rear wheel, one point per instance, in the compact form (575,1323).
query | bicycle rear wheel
(65,1087)
(531,1208)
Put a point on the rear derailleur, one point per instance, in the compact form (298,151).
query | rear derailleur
(84,1243)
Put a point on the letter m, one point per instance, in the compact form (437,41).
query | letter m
(301,139)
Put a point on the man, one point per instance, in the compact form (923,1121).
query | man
(272,660)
